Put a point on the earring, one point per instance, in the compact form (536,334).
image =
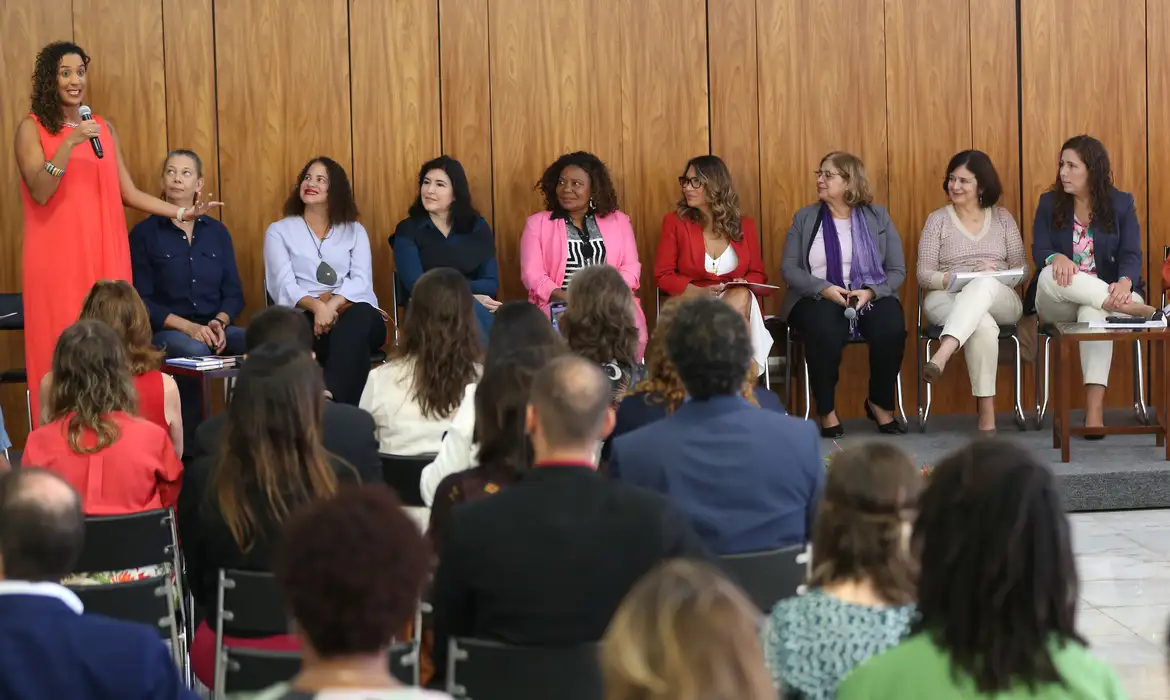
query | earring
(591,205)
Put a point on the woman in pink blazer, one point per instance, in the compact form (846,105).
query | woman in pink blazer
(581,226)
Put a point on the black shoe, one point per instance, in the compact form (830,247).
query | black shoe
(833,433)
(1157,315)
(1093,436)
(891,428)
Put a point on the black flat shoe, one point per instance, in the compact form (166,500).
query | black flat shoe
(1093,436)
(891,428)
(833,433)
(1157,315)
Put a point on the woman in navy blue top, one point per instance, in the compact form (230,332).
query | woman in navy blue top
(445,230)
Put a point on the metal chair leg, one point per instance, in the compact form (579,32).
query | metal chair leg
(1139,386)
(28,407)
(789,398)
(901,402)
(1042,399)
(1017,377)
(807,389)
(924,388)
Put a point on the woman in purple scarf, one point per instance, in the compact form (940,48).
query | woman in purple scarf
(843,252)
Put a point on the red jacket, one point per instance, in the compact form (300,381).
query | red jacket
(681,257)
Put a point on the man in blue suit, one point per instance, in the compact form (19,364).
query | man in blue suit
(49,650)
(748,479)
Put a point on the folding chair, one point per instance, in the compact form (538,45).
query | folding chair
(12,319)
(493,671)
(771,576)
(930,333)
(403,474)
(251,602)
(794,347)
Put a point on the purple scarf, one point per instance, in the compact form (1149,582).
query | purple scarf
(867,269)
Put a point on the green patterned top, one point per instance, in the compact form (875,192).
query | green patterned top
(815,640)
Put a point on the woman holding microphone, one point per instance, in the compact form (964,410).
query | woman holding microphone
(74,225)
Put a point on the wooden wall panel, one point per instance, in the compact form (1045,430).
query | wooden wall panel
(395,115)
(465,82)
(664,116)
(127,81)
(282,98)
(554,89)
(189,32)
(1111,68)
(1158,102)
(822,87)
(735,100)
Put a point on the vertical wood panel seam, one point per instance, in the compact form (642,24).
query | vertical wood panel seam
(162,13)
(1020,107)
(215,107)
(970,80)
(491,126)
(439,68)
(759,136)
(349,65)
(707,34)
(1149,192)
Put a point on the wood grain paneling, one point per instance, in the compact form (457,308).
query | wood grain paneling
(555,88)
(189,35)
(664,115)
(28,26)
(995,116)
(735,100)
(282,98)
(396,115)
(1158,100)
(127,81)
(465,81)
(1059,71)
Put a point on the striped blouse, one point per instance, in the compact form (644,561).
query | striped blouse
(584,247)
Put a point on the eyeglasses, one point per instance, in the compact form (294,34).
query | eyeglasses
(827,174)
(693,182)
(961,180)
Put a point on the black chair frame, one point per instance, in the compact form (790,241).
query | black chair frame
(770,576)
(522,673)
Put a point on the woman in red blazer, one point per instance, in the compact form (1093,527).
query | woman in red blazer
(706,247)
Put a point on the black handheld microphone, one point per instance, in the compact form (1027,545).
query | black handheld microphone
(851,309)
(87,115)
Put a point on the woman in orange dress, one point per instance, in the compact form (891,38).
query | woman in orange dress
(74,225)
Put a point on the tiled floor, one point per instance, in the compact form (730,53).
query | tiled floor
(1124,563)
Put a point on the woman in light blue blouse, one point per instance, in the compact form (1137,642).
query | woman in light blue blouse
(861,599)
(317,258)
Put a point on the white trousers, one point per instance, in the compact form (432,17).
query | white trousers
(1080,301)
(972,316)
(760,337)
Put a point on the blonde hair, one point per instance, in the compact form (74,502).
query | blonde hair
(857,189)
(685,632)
(719,191)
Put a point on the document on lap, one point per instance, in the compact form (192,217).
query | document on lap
(751,284)
(1011,278)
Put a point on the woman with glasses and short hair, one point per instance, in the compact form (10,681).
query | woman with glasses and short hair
(317,258)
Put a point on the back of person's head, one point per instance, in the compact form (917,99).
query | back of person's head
(352,570)
(569,405)
(709,345)
(442,339)
(117,303)
(272,441)
(519,325)
(684,632)
(598,323)
(42,528)
(279,325)
(91,380)
(501,402)
(862,527)
(998,581)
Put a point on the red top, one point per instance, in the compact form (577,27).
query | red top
(151,398)
(139,472)
(681,257)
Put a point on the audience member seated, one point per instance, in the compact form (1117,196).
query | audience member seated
(547,561)
(997,593)
(707,228)
(346,431)
(861,593)
(415,394)
(662,392)
(685,631)
(116,304)
(505,453)
(317,258)
(235,502)
(48,648)
(352,570)
(747,479)
(599,325)
(519,326)
(424,241)
(971,234)
(185,272)
(118,463)
(581,226)
(844,252)
(1087,247)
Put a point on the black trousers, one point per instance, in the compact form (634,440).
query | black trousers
(826,331)
(344,352)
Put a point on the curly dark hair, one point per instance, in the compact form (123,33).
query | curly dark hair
(599,321)
(518,326)
(442,338)
(998,581)
(1096,160)
(601,188)
(46,105)
(352,570)
(709,345)
(342,206)
(463,214)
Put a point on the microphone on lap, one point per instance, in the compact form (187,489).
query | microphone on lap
(87,115)
(851,309)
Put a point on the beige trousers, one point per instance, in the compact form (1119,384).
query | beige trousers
(972,316)
(1080,301)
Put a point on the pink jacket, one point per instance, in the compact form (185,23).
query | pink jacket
(544,249)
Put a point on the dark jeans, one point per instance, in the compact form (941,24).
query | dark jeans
(345,350)
(826,332)
(179,344)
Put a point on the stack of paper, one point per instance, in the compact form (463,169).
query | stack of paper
(205,362)
(1010,278)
